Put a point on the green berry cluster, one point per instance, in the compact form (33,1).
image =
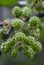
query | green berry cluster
(27,41)
(24,12)
(16,11)
(32,47)
(34,24)
(17,24)
(29,52)
(6,46)
(19,36)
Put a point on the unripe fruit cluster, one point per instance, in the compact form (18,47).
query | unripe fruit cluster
(17,24)
(21,41)
(24,12)
(16,11)
(29,52)
(7,45)
(32,46)
(19,36)
(34,23)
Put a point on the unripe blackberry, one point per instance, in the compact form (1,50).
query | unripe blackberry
(26,12)
(35,33)
(17,24)
(34,22)
(19,36)
(37,47)
(29,52)
(14,52)
(17,11)
(7,45)
(30,40)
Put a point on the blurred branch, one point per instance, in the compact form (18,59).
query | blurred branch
(40,14)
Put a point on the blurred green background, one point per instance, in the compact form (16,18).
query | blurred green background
(8,2)
(5,12)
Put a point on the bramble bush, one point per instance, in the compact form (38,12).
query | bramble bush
(26,33)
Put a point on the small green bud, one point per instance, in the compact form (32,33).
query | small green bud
(29,52)
(17,11)
(34,22)
(17,24)
(19,36)
(26,12)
